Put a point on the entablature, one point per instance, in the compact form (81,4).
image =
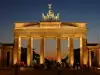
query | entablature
(52,30)
(32,25)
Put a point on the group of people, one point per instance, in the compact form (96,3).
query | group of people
(51,65)
(47,65)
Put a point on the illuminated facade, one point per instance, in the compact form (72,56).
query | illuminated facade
(50,27)
(6,55)
(95,57)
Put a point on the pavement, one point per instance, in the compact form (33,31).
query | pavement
(63,71)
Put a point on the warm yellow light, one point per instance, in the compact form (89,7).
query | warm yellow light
(90,59)
(71,61)
(85,61)
(81,42)
(59,60)
(28,61)
(41,59)
(15,59)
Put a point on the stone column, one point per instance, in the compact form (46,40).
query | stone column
(83,51)
(98,56)
(10,57)
(70,51)
(30,51)
(41,50)
(58,47)
(5,58)
(95,57)
(2,58)
(90,61)
(17,50)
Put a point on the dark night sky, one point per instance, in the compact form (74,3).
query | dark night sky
(30,10)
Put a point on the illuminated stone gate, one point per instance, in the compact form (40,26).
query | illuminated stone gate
(50,27)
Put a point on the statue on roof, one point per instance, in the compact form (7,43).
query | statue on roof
(50,15)
(49,6)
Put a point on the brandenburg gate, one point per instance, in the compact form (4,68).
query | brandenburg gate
(50,27)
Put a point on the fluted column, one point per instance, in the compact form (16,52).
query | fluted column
(17,50)
(86,52)
(5,59)
(58,46)
(2,58)
(70,51)
(98,57)
(90,61)
(11,56)
(29,51)
(83,51)
(41,50)
(95,57)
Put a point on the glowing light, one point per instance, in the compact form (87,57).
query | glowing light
(15,59)
(85,60)
(22,68)
(98,68)
(72,61)
(28,61)
(59,60)
(41,59)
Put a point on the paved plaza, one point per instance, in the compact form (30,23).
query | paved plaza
(64,71)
